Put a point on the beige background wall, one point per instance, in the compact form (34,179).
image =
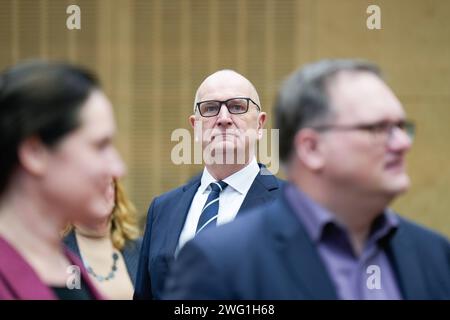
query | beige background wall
(151,56)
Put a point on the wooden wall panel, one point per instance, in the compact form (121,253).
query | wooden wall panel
(6,34)
(152,54)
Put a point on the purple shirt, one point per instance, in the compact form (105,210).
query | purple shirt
(369,276)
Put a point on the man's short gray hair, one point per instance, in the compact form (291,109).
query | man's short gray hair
(302,99)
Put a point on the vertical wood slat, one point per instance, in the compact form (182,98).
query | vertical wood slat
(43,44)
(186,87)
(72,43)
(123,84)
(104,43)
(157,100)
(57,38)
(15,54)
(6,34)
(213,56)
(241,35)
(270,54)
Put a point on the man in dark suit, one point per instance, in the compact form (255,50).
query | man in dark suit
(227,121)
(330,235)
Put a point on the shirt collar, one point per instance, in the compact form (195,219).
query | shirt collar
(240,181)
(314,217)
(383,225)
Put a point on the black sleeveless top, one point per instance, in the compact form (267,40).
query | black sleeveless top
(64,293)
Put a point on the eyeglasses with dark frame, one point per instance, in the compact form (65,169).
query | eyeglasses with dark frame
(377,129)
(211,108)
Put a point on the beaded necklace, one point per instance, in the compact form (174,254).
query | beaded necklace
(110,275)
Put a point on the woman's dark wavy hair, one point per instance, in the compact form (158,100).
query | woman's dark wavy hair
(42,99)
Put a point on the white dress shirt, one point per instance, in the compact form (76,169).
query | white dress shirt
(230,200)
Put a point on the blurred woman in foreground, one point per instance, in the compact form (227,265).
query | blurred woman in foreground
(57,158)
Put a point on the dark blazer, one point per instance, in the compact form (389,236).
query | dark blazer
(18,281)
(130,252)
(165,221)
(268,255)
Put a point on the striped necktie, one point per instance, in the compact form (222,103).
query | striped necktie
(208,217)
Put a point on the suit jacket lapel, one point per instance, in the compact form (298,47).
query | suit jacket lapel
(260,191)
(310,272)
(304,262)
(404,260)
(179,215)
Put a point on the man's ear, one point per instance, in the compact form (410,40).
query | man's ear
(307,149)
(33,155)
(262,117)
(192,120)
(196,124)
